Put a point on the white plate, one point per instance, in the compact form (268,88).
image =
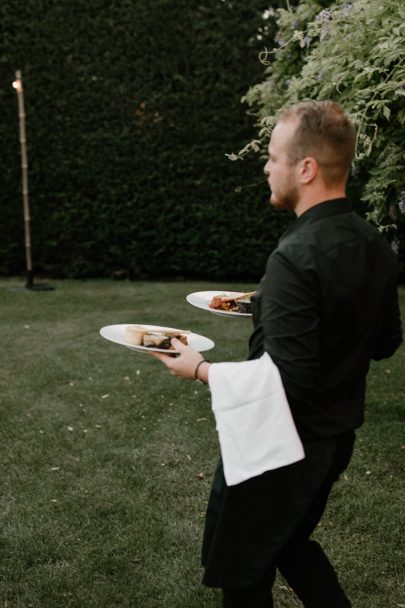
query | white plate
(116,333)
(201,299)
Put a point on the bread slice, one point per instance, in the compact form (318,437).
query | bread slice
(139,335)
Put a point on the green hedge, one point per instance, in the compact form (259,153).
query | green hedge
(131,108)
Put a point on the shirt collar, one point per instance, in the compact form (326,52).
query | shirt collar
(324,209)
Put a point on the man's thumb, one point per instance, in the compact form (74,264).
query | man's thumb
(177,344)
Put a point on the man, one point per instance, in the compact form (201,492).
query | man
(326,306)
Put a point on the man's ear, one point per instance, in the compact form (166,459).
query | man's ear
(308,169)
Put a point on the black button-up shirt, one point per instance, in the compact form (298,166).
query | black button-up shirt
(326,306)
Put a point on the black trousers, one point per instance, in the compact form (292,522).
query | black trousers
(302,562)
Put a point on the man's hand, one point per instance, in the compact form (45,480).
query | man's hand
(184,364)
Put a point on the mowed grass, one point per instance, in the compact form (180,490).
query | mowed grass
(106,459)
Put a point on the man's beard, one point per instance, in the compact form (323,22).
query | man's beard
(287,199)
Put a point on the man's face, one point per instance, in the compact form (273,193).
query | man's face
(281,174)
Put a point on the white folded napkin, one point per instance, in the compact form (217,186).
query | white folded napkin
(254,422)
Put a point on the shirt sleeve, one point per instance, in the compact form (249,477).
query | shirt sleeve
(390,335)
(290,318)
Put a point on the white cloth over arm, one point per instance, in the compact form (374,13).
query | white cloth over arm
(254,422)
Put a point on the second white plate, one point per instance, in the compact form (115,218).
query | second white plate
(201,299)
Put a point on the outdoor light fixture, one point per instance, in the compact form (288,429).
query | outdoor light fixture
(17,84)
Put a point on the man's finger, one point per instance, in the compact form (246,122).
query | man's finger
(181,347)
(161,356)
(178,345)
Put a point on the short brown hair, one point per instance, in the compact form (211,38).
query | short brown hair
(326,133)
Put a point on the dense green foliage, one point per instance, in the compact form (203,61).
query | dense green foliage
(352,52)
(131,109)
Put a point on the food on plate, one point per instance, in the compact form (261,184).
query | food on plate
(245,305)
(162,340)
(240,303)
(138,335)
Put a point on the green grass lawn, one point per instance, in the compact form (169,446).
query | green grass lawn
(106,459)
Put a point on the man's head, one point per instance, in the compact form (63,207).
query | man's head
(310,154)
